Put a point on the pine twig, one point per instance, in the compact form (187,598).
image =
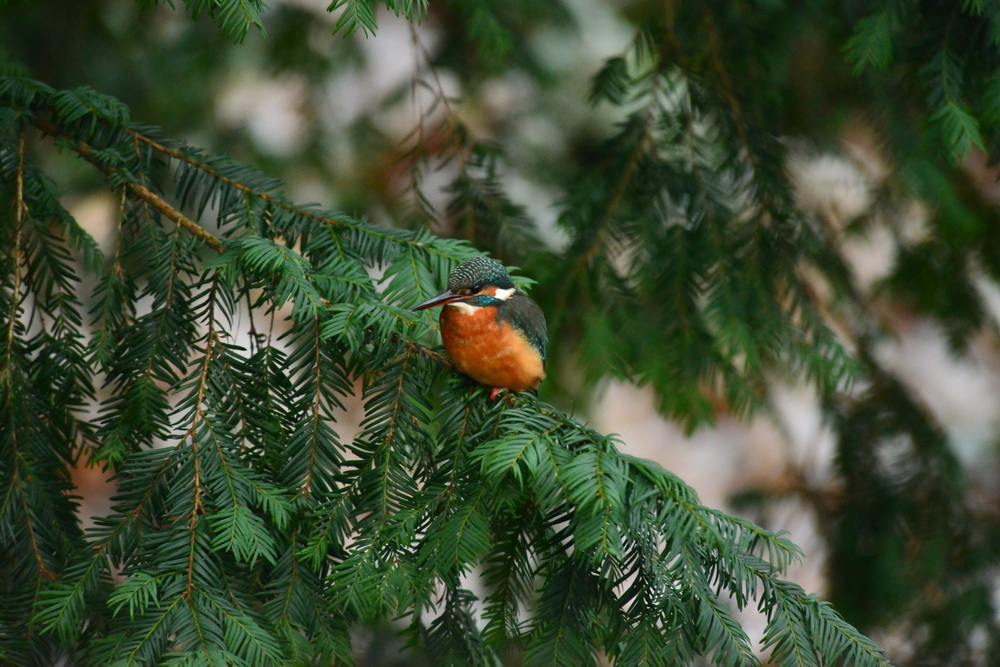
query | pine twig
(86,151)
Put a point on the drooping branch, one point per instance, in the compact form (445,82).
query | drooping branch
(284,205)
(20,485)
(15,297)
(86,151)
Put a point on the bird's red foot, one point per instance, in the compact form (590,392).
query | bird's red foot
(493,394)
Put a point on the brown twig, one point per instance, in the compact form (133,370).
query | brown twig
(86,151)
(16,256)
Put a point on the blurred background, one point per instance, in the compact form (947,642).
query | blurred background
(861,136)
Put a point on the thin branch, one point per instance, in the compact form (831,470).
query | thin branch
(176,216)
(8,370)
(86,151)
(15,297)
(728,89)
(198,508)
(386,468)
(279,203)
(433,355)
(621,186)
(316,408)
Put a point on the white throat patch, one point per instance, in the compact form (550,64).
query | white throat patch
(466,309)
(463,308)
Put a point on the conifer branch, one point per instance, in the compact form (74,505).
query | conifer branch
(388,441)
(280,203)
(17,482)
(728,93)
(316,414)
(431,489)
(86,151)
(15,297)
(433,355)
(197,509)
(727,88)
(189,225)
(151,633)
(621,185)
(458,449)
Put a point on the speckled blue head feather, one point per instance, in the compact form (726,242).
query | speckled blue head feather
(477,272)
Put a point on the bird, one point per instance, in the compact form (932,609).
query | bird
(493,333)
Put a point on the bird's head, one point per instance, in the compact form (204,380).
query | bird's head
(477,282)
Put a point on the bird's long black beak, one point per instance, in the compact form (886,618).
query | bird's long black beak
(441,299)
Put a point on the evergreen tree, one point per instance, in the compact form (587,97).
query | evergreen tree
(247,530)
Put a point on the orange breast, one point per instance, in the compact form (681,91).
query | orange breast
(492,353)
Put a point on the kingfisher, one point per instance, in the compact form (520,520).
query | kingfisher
(495,334)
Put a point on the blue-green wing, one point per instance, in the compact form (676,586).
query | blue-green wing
(525,316)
